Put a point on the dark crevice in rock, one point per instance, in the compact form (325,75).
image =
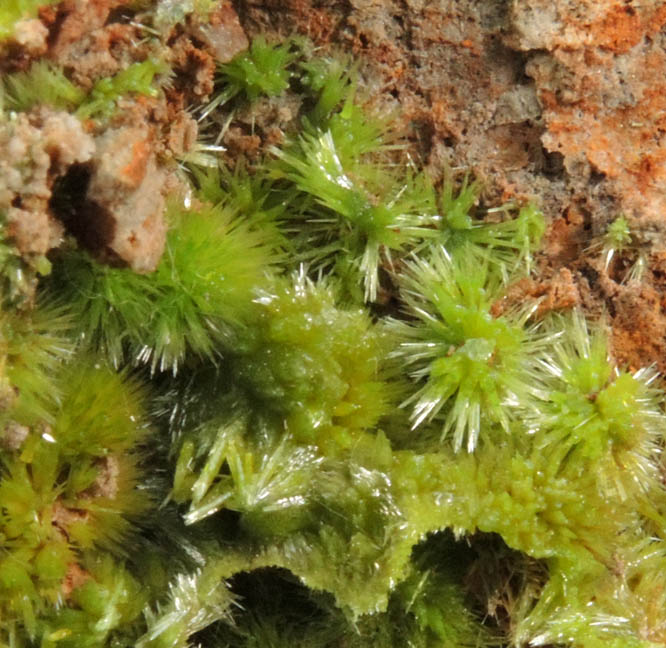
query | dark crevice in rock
(91,225)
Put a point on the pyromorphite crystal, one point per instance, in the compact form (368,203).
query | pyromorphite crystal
(317,422)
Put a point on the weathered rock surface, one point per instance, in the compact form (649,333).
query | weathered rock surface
(111,176)
(38,147)
(126,184)
(222,33)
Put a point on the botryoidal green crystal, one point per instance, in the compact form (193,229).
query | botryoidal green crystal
(308,425)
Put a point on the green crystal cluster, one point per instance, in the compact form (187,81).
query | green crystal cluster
(313,425)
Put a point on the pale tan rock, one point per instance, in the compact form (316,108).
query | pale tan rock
(600,80)
(13,436)
(31,34)
(64,139)
(128,185)
(33,231)
(222,33)
(108,475)
(182,135)
(40,145)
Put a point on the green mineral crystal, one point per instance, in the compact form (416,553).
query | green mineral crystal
(316,423)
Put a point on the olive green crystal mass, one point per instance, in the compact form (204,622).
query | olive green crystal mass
(310,425)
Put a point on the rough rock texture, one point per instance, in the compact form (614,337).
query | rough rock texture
(74,20)
(558,101)
(600,80)
(38,147)
(603,94)
(121,217)
(112,175)
(194,54)
(31,35)
(126,184)
(222,34)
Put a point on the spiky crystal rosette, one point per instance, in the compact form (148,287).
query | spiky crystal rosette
(471,370)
